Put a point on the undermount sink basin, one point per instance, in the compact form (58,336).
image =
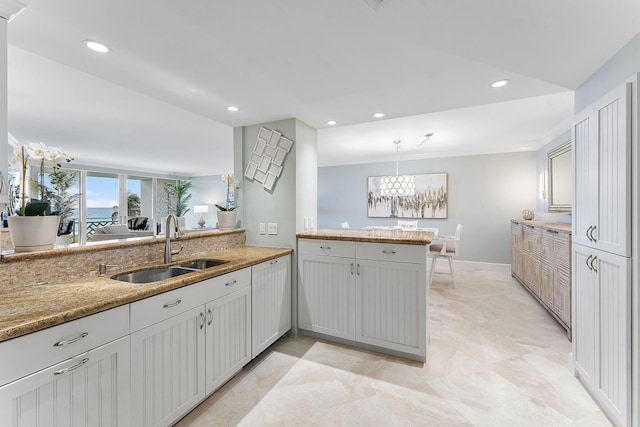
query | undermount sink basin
(155,274)
(201,264)
(149,275)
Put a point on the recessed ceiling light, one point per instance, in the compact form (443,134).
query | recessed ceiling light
(96,46)
(331,122)
(232,108)
(378,115)
(500,83)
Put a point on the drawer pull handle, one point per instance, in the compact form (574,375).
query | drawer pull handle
(275,261)
(388,252)
(72,340)
(210,316)
(201,320)
(595,258)
(231,283)
(325,248)
(172,304)
(587,262)
(358,269)
(552,231)
(352,269)
(72,368)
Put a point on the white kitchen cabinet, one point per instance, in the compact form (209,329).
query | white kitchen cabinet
(602,169)
(88,390)
(602,340)
(327,288)
(270,302)
(191,341)
(390,311)
(167,368)
(374,294)
(76,373)
(228,337)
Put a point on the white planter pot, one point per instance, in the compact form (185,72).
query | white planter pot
(226,220)
(33,233)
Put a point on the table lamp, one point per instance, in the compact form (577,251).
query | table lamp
(201,209)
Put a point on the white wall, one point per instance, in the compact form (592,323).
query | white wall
(206,190)
(485,193)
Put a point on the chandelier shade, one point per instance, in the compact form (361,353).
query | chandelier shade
(398,185)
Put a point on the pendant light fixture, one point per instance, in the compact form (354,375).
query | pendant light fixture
(398,185)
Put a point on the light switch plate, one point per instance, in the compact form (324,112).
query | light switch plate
(273,228)
(263,229)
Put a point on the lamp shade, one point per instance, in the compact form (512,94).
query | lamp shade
(201,209)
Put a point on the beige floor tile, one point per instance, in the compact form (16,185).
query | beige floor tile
(495,358)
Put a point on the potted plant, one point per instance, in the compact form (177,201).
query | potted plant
(62,203)
(34,228)
(227,214)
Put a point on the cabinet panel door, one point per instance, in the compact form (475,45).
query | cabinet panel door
(326,295)
(585,321)
(391,305)
(531,258)
(167,369)
(547,265)
(614,159)
(614,350)
(516,249)
(585,188)
(228,337)
(87,390)
(270,303)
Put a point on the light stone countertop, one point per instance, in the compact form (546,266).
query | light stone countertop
(33,308)
(400,236)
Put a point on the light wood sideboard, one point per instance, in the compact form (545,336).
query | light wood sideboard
(541,262)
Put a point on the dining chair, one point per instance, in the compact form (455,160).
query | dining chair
(445,247)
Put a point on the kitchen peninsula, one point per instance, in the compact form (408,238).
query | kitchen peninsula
(366,288)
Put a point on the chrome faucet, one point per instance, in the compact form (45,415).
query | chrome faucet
(167,243)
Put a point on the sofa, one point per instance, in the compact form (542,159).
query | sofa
(118,231)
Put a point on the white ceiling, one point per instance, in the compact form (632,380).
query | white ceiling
(157,101)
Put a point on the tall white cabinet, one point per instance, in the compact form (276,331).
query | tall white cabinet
(602,263)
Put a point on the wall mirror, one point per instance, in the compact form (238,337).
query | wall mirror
(560,172)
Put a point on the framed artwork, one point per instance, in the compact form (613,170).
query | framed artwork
(429,200)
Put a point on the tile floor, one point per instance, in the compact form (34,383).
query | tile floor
(495,358)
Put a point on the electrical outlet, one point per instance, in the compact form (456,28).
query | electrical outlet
(273,228)
(263,229)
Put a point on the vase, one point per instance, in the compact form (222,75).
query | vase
(33,233)
(528,214)
(226,220)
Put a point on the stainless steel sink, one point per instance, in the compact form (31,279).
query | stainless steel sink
(149,275)
(155,274)
(201,264)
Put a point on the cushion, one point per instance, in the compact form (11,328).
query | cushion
(116,229)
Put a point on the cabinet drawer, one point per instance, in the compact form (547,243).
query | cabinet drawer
(160,307)
(30,353)
(415,254)
(337,248)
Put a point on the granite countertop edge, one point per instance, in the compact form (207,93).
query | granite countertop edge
(398,236)
(33,308)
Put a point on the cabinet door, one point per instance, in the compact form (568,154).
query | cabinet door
(613,113)
(326,295)
(602,334)
(602,171)
(167,369)
(585,167)
(516,249)
(88,390)
(228,337)
(270,302)
(391,305)
(547,265)
(562,277)
(531,258)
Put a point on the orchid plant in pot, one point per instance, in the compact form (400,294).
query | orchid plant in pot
(34,228)
(227,214)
